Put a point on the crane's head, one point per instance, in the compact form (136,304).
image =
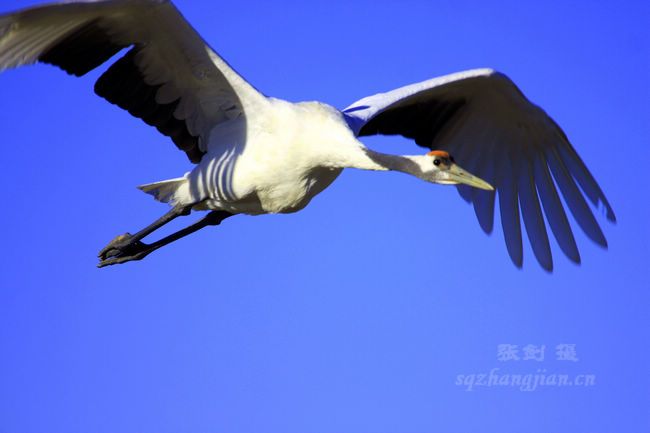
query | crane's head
(439,167)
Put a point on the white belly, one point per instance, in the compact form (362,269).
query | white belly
(271,191)
(293,194)
(275,167)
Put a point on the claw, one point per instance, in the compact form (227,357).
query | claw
(119,243)
(123,258)
(122,249)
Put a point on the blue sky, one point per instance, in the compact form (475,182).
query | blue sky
(374,309)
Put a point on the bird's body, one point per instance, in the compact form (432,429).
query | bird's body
(284,159)
(256,154)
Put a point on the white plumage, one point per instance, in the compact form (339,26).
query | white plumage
(256,154)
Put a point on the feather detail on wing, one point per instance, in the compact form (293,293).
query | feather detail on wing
(170,78)
(482,119)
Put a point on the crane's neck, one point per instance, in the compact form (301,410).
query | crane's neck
(359,156)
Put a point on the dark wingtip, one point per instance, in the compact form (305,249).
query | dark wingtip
(610,215)
(574,256)
(518,260)
(81,50)
(576,260)
(486,227)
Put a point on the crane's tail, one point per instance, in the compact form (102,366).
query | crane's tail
(171,190)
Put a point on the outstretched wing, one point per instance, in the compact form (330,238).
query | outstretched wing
(170,78)
(483,120)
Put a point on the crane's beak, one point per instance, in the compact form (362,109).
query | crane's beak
(456,175)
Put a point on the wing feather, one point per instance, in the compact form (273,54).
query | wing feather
(484,200)
(583,176)
(170,77)
(482,119)
(461,145)
(533,219)
(510,220)
(574,199)
(554,210)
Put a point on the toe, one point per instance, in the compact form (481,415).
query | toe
(115,246)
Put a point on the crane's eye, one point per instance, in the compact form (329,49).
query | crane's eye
(436,161)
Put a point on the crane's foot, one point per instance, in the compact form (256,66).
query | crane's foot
(127,247)
(122,249)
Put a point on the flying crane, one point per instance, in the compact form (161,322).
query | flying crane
(256,154)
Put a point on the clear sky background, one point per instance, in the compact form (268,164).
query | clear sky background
(365,312)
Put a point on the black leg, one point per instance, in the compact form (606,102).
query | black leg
(128,247)
(125,241)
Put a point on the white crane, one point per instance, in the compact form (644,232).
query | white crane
(256,154)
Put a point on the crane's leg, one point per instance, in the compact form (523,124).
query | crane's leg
(121,242)
(127,247)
